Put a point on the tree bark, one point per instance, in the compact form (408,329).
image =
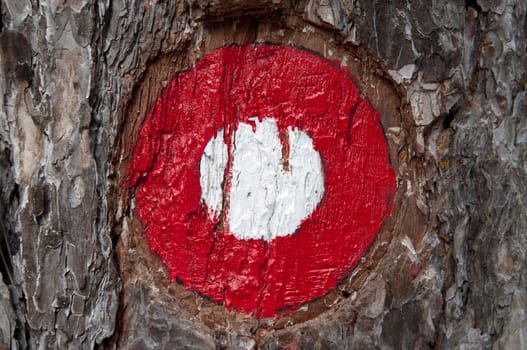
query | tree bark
(447,269)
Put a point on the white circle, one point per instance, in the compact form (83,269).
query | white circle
(269,195)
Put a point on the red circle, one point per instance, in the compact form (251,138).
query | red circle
(296,88)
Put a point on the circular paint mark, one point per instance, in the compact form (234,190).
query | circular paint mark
(198,115)
(269,195)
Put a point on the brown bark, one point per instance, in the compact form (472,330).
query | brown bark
(449,80)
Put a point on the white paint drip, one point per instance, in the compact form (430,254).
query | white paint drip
(267,200)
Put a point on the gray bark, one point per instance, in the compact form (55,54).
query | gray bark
(446,271)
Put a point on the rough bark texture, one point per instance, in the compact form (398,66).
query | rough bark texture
(446,271)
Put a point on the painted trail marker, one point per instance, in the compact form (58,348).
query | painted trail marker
(262,177)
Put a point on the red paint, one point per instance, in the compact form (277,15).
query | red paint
(296,88)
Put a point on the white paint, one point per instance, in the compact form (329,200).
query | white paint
(266,199)
(212,168)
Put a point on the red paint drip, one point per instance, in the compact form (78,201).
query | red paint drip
(298,89)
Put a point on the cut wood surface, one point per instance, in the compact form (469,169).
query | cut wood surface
(446,270)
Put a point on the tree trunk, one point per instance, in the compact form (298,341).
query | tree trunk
(447,269)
